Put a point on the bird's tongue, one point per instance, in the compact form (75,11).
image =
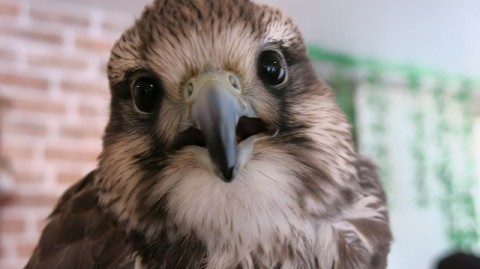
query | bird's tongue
(247,127)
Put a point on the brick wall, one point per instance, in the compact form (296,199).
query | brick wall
(54,105)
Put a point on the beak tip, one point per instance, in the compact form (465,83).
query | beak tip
(228,174)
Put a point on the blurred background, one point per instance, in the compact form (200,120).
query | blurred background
(407,73)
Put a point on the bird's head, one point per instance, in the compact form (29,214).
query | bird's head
(218,119)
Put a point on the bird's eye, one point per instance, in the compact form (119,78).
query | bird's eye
(271,68)
(145,92)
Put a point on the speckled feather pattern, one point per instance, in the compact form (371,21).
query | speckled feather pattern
(306,199)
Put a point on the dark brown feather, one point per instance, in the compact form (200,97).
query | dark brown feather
(80,236)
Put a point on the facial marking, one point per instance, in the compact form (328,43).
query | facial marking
(270,201)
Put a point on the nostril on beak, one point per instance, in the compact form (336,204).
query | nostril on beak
(188,90)
(234,82)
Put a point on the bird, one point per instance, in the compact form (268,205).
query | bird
(223,149)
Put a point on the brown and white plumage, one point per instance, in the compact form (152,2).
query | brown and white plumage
(299,197)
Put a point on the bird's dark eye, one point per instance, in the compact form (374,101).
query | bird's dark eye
(145,92)
(271,68)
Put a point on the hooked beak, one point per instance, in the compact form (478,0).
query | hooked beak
(221,120)
(216,107)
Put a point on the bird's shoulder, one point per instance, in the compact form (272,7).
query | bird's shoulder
(79,235)
(363,228)
(369,179)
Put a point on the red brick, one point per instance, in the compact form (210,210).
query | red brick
(94,44)
(16,152)
(35,200)
(5,198)
(70,154)
(20,80)
(25,249)
(24,128)
(9,9)
(39,105)
(9,224)
(33,34)
(89,110)
(57,61)
(58,17)
(69,177)
(7,54)
(42,223)
(80,132)
(13,267)
(102,69)
(30,97)
(3,251)
(84,87)
(115,26)
(28,176)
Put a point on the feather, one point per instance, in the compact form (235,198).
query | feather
(80,236)
(302,198)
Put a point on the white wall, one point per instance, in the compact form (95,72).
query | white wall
(436,33)
(476,143)
(420,230)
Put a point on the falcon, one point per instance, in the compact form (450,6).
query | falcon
(223,150)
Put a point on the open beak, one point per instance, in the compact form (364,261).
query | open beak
(215,110)
(220,120)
